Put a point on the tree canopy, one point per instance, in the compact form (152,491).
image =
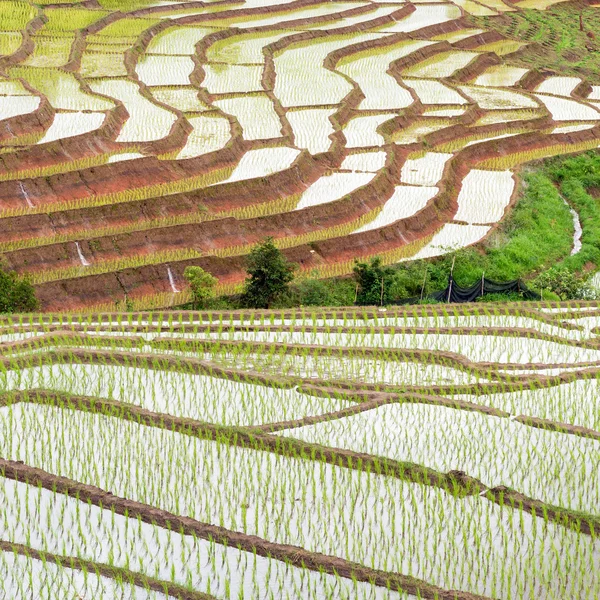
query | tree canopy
(375,282)
(269,275)
(202,285)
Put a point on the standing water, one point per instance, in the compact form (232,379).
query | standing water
(26,195)
(84,262)
(172,281)
(576,226)
(578,232)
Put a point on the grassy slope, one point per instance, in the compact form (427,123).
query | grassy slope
(575,176)
(560,45)
(536,235)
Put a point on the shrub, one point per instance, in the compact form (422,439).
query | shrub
(202,285)
(564,283)
(375,282)
(16,293)
(323,292)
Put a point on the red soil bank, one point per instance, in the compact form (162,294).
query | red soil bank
(438,211)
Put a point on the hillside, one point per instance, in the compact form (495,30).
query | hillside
(139,137)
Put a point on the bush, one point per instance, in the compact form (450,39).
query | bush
(16,293)
(564,283)
(323,292)
(269,276)
(376,283)
(202,285)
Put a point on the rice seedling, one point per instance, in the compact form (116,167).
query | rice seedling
(256,115)
(500,76)
(563,109)
(441,65)
(333,187)
(204,389)
(424,169)
(422,17)
(312,128)
(364,453)
(302,79)
(404,202)
(484,196)
(324,78)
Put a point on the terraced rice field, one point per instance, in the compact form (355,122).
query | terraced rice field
(140,137)
(447,452)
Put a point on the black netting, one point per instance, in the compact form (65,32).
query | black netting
(456,293)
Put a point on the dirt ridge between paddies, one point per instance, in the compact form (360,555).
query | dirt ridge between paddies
(180,317)
(369,399)
(367,395)
(202,367)
(160,362)
(69,338)
(224,328)
(461,485)
(221,232)
(365,402)
(172,590)
(332,251)
(446,358)
(293,555)
(456,483)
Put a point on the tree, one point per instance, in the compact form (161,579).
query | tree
(269,274)
(16,293)
(375,282)
(202,285)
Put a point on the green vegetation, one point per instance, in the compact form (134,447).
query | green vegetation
(534,244)
(375,283)
(202,285)
(15,15)
(564,283)
(560,44)
(269,274)
(537,234)
(16,293)
(323,292)
(577,177)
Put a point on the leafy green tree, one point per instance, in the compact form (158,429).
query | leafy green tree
(16,293)
(269,275)
(376,283)
(202,285)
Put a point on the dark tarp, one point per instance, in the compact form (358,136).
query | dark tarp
(456,293)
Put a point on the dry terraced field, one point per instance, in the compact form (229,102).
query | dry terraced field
(141,137)
(356,454)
